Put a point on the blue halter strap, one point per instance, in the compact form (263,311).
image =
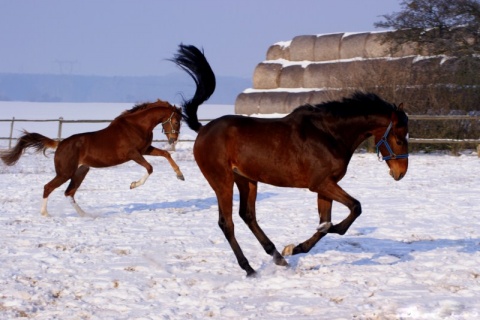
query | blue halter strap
(383,140)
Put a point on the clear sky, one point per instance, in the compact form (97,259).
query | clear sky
(135,37)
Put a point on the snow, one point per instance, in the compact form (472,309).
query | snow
(156,252)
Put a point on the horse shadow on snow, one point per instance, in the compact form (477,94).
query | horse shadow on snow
(385,251)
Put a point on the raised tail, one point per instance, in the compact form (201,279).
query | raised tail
(193,61)
(28,140)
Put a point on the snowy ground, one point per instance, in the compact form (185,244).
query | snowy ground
(156,252)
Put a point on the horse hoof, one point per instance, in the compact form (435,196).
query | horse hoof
(180,177)
(252,274)
(288,250)
(324,227)
(132,185)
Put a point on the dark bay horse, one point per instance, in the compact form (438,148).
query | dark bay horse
(128,137)
(309,148)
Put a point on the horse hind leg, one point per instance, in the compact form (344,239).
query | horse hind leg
(48,189)
(248,196)
(72,188)
(138,158)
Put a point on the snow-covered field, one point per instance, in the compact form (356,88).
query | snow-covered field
(156,252)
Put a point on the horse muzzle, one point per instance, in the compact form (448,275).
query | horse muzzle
(397,176)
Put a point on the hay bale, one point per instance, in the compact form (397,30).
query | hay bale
(291,77)
(327,47)
(266,76)
(302,47)
(426,71)
(407,49)
(318,97)
(248,103)
(353,45)
(278,51)
(326,75)
(273,102)
(374,48)
(296,99)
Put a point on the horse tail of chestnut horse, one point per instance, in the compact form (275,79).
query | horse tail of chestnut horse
(193,61)
(28,140)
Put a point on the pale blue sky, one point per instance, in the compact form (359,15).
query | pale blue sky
(134,37)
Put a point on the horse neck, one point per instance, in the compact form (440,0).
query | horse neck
(150,118)
(356,129)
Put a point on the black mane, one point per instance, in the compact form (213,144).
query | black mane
(359,103)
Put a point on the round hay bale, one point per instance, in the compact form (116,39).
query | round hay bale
(296,99)
(321,96)
(302,47)
(324,75)
(327,47)
(374,48)
(407,49)
(273,102)
(316,75)
(278,51)
(266,76)
(248,103)
(292,77)
(426,70)
(353,45)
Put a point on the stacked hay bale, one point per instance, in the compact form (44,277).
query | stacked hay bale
(317,68)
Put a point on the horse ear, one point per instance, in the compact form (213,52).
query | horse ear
(400,107)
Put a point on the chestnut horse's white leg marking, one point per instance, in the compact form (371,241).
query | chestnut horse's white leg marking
(76,207)
(138,183)
(43,210)
(324,226)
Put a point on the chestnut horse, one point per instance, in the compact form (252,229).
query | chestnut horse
(309,148)
(128,137)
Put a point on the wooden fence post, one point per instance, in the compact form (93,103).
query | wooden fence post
(60,124)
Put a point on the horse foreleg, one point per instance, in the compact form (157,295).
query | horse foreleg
(325,212)
(336,193)
(152,151)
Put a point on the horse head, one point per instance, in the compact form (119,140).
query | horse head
(392,145)
(171,126)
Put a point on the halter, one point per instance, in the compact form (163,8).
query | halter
(169,120)
(391,156)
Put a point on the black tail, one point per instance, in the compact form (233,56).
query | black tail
(192,60)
